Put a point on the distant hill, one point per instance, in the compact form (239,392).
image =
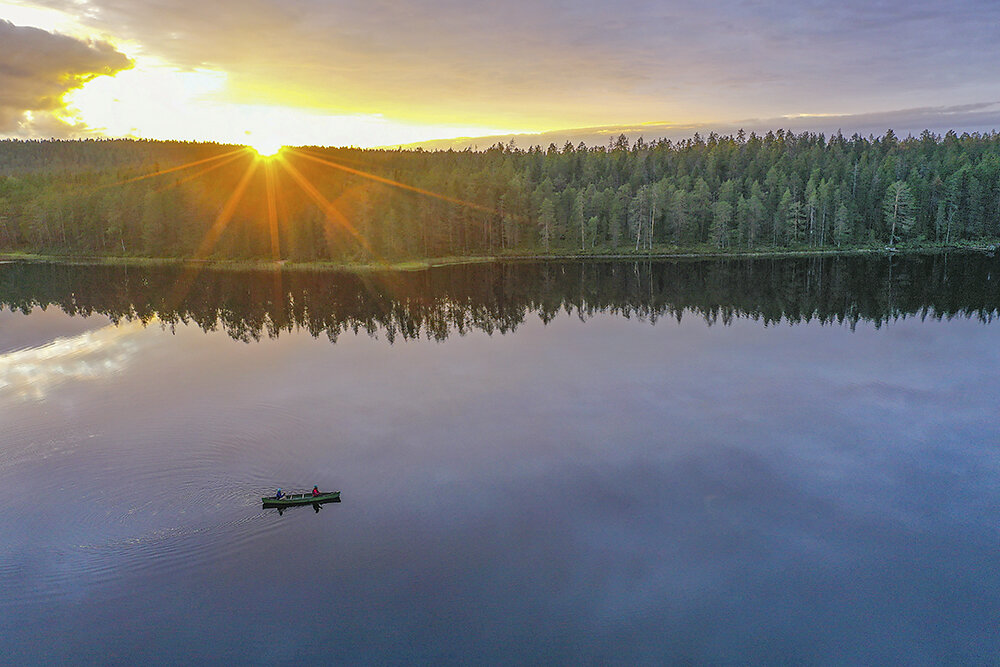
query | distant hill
(982,118)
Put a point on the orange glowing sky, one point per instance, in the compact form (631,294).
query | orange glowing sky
(358,72)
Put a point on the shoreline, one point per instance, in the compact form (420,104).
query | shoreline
(434,262)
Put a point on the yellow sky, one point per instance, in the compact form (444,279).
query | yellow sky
(158,100)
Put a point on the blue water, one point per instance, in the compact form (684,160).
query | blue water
(593,490)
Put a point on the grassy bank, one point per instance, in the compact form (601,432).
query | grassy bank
(604,254)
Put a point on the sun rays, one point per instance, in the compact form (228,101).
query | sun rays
(274,159)
(388,181)
(226,214)
(160,172)
(334,218)
(272,209)
(263,184)
(236,155)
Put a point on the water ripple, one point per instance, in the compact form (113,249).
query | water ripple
(141,511)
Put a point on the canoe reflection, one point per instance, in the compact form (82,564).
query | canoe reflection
(316,506)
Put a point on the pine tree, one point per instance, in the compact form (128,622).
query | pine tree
(842,226)
(898,208)
(546,220)
(722,215)
(780,219)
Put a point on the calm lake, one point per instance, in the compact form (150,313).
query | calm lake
(732,461)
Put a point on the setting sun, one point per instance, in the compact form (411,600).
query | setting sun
(265,148)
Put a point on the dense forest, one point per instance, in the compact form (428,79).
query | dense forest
(743,192)
(501,296)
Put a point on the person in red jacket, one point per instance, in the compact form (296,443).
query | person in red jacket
(315,490)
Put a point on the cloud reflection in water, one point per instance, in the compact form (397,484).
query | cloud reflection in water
(33,372)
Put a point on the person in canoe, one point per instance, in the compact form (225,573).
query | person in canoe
(315,491)
(279,495)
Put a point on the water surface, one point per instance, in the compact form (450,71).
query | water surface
(727,461)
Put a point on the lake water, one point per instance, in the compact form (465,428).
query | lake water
(584,463)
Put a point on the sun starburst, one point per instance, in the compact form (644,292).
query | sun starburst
(266,148)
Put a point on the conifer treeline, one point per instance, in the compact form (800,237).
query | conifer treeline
(780,190)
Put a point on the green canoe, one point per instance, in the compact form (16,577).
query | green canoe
(290,499)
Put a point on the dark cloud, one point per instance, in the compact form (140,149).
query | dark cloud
(980,117)
(37,68)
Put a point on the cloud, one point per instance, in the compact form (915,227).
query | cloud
(978,117)
(549,63)
(37,68)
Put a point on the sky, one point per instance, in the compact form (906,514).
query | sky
(375,72)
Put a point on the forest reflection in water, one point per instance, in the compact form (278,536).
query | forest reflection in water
(498,297)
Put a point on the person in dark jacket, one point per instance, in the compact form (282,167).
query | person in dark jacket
(279,495)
